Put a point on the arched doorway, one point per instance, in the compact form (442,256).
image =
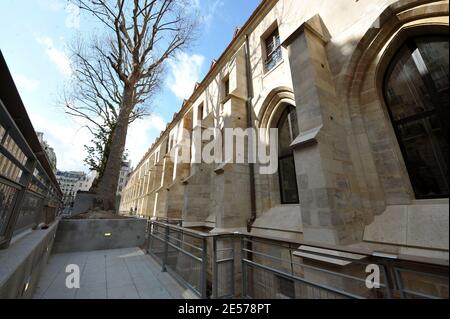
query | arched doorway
(416,90)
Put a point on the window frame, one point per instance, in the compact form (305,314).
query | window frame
(411,46)
(225,89)
(274,37)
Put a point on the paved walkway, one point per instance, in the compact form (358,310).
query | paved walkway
(112,274)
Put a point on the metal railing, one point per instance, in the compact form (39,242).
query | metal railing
(28,197)
(275,270)
(200,261)
(224,266)
(413,284)
(182,253)
(239,265)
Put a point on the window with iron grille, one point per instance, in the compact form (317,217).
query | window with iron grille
(273,50)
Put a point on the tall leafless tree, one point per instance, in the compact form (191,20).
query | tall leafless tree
(118,72)
(93,94)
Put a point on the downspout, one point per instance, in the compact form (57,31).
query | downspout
(250,124)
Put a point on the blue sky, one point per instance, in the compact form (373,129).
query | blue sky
(34,35)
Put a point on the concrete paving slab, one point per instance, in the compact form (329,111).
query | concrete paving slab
(109,274)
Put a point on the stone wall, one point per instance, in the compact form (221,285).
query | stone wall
(351,176)
(96,234)
(22,263)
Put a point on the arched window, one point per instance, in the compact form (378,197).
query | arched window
(416,91)
(287,132)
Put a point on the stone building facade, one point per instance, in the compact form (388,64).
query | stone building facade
(50,151)
(359,93)
(73,182)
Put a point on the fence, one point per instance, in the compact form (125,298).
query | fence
(413,284)
(235,265)
(182,253)
(276,270)
(202,262)
(28,197)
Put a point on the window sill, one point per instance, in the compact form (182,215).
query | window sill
(431,201)
(268,72)
(226,99)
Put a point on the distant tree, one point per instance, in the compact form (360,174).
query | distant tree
(97,154)
(115,74)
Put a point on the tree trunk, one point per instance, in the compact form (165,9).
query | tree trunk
(107,187)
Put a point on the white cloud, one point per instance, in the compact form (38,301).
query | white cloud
(67,137)
(25,84)
(207,10)
(211,12)
(73,17)
(185,71)
(56,56)
(73,11)
(141,135)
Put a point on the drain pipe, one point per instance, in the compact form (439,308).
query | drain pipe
(250,124)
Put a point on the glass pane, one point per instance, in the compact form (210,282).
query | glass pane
(270,46)
(273,50)
(284,136)
(30,212)
(426,150)
(435,54)
(417,95)
(294,124)
(406,93)
(288,180)
(7,197)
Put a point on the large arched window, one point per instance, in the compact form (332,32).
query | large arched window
(287,132)
(416,91)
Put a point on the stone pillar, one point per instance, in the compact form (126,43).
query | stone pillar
(231,184)
(197,189)
(328,190)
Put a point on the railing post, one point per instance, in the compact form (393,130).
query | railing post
(204,274)
(389,286)
(399,282)
(215,270)
(166,249)
(233,270)
(150,236)
(244,270)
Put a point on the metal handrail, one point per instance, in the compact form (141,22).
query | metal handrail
(334,273)
(387,265)
(349,250)
(282,274)
(12,130)
(30,176)
(180,241)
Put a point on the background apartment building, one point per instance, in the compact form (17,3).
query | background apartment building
(73,182)
(49,151)
(125,171)
(359,93)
